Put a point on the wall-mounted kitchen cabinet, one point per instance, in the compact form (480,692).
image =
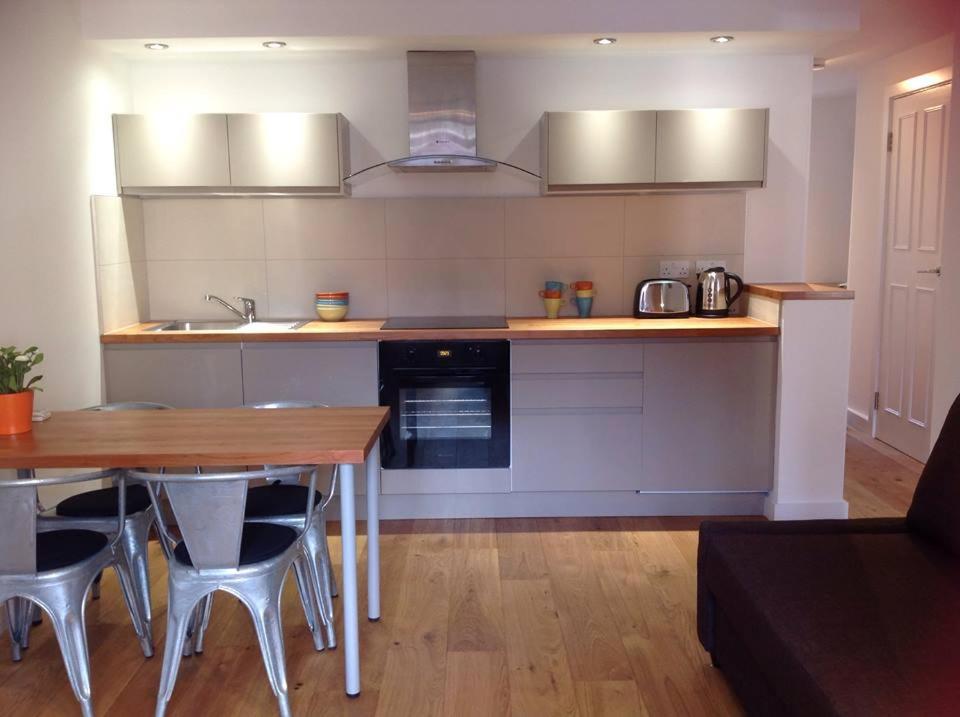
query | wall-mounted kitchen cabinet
(619,151)
(615,148)
(266,153)
(715,146)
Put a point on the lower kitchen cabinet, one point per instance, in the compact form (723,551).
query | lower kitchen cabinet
(338,374)
(180,375)
(709,412)
(583,450)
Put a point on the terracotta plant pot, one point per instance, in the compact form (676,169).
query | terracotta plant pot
(16,413)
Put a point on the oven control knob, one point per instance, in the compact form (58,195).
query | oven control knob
(411,351)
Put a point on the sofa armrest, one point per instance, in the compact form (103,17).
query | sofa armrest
(712,530)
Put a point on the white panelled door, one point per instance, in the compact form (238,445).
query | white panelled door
(912,242)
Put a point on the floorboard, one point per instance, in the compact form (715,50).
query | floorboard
(524,617)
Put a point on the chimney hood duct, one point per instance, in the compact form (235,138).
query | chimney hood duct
(442,99)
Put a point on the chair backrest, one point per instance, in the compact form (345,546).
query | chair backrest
(287,404)
(18,516)
(209,509)
(935,510)
(129,406)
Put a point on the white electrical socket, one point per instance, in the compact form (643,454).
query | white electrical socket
(674,269)
(704,264)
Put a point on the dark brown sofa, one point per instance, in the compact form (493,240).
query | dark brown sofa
(842,617)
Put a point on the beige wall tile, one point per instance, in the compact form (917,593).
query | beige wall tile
(293,283)
(525,279)
(123,295)
(118,230)
(662,224)
(445,287)
(564,226)
(638,268)
(177,288)
(319,228)
(444,228)
(187,229)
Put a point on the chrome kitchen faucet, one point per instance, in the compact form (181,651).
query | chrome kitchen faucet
(249,313)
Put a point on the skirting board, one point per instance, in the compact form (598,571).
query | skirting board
(858,420)
(557,505)
(837,509)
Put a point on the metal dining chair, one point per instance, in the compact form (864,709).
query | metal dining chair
(97,510)
(55,569)
(282,502)
(220,551)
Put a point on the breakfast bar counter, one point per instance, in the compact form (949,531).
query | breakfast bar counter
(611,327)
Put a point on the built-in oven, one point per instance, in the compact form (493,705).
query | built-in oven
(449,404)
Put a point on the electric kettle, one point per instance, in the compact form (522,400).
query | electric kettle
(713,292)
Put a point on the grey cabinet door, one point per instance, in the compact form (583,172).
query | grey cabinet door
(337,374)
(709,411)
(607,147)
(285,149)
(711,145)
(182,376)
(172,150)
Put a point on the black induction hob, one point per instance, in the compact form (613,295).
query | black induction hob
(444,322)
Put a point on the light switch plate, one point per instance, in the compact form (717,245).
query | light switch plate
(674,269)
(704,264)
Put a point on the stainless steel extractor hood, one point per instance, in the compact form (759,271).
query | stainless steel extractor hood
(442,103)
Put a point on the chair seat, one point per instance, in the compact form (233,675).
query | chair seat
(278,499)
(59,548)
(259,542)
(103,503)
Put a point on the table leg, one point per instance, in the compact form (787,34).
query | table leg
(348,532)
(373,533)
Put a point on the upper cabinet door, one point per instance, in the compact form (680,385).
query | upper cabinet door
(592,148)
(712,146)
(172,150)
(286,150)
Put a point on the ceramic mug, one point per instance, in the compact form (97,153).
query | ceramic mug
(550,293)
(584,306)
(554,285)
(586,293)
(581,285)
(552,307)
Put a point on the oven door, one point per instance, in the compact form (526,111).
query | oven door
(446,419)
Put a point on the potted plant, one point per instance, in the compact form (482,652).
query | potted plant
(16,397)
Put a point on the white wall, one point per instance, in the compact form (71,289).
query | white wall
(866,218)
(56,149)
(831,186)
(946,361)
(512,94)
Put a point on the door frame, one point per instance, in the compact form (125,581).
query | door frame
(941,78)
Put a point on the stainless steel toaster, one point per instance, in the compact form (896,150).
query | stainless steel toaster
(661,299)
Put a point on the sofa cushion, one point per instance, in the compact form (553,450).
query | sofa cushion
(843,623)
(936,502)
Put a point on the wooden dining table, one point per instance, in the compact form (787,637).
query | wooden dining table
(231,437)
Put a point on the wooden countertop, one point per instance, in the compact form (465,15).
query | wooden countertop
(613,327)
(800,291)
(184,437)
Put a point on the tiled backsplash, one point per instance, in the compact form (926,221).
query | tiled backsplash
(403,256)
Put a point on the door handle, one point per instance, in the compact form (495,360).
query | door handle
(930,271)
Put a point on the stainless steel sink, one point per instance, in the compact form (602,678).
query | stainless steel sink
(240,326)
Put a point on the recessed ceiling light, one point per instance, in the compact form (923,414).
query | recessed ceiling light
(274,44)
(819,63)
(722,39)
(156,46)
(604,41)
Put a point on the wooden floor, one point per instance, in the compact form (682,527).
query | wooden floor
(481,617)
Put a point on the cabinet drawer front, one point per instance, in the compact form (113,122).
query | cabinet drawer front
(576,452)
(711,145)
(601,147)
(576,357)
(578,391)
